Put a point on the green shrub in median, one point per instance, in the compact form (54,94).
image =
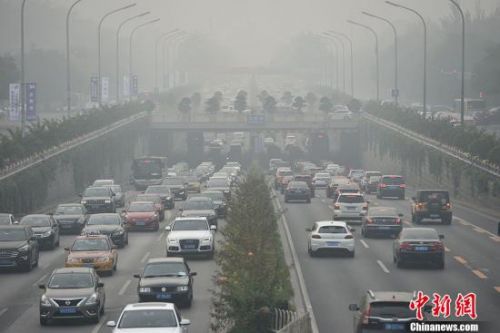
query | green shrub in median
(252,275)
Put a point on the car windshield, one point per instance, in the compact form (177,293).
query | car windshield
(104,220)
(435,196)
(71,281)
(415,233)
(116,188)
(141,207)
(323,175)
(69,210)
(198,204)
(332,229)
(180,225)
(102,182)
(391,310)
(173,181)
(148,318)
(215,196)
(96,192)
(218,183)
(351,199)
(145,197)
(98,244)
(157,190)
(165,269)
(356,172)
(36,221)
(12,235)
(285,173)
(4,219)
(392,180)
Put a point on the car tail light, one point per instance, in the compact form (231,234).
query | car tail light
(348,237)
(369,221)
(420,205)
(402,186)
(405,246)
(365,207)
(382,185)
(366,315)
(447,206)
(316,236)
(437,246)
(398,221)
(337,206)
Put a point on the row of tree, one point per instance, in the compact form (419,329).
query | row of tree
(469,139)
(253,277)
(39,136)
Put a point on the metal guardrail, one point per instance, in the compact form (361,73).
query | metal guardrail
(286,321)
(474,161)
(44,155)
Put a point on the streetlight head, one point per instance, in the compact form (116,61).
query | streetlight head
(392,3)
(143,14)
(130,6)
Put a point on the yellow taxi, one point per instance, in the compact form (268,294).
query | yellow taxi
(193,184)
(95,251)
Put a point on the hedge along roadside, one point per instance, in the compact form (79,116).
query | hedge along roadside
(252,277)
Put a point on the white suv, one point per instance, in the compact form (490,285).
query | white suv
(350,207)
(190,235)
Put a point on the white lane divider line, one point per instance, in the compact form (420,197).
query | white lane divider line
(97,327)
(479,274)
(160,236)
(479,230)
(145,257)
(381,264)
(497,288)
(40,280)
(495,238)
(124,287)
(462,222)
(364,244)
(2,312)
(460,260)
(476,228)
(447,249)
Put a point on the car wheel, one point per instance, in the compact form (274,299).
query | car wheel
(126,239)
(97,318)
(394,260)
(28,266)
(37,259)
(365,233)
(44,321)
(58,240)
(102,310)
(311,252)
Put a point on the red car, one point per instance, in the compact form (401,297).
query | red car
(142,215)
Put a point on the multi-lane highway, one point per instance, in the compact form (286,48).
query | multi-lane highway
(472,263)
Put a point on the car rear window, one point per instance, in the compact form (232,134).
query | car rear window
(351,199)
(393,180)
(285,173)
(391,310)
(332,229)
(435,196)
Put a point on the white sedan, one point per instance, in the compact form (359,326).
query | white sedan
(330,236)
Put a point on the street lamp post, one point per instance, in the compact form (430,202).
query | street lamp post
(158,40)
(131,40)
(396,88)
(425,50)
(462,88)
(22,90)
(117,61)
(341,41)
(99,94)
(340,34)
(166,56)
(337,61)
(377,74)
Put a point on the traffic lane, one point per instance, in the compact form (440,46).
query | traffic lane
(479,252)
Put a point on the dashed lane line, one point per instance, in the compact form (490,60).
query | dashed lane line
(145,257)
(447,249)
(495,238)
(97,327)
(462,222)
(479,230)
(2,312)
(124,287)
(381,264)
(476,228)
(497,288)
(479,274)
(364,244)
(460,260)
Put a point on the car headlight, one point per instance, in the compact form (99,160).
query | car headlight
(104,259)
(206,240)
(81,220)
(144,290)
(118,232)
(182,288)
(47,233)
(24,248)
(172,240)
(108,201)
(44,300)
(84,202)
(92,299)
(169,198)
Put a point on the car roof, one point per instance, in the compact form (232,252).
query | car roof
(105,214)
(387,296)
(150,305)
(348,186)
(73,270)
(165,260)
(393,176)
(92,236)
(333,223)
(69,205)
(190,218)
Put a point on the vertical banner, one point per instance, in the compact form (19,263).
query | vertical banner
(94,89)
(31,114)
(135,86)
(126,86)
(104,89)
(14,99)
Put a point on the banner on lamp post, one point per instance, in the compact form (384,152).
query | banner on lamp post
(135,86)
(94,89)
(30,93)
(104,89)
(14,101)
(126,86)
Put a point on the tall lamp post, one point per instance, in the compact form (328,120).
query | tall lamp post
(425,50)
(22,90)
(377,65)
(68,56)
(99,28)
(117,61)
(341,41)
(166,56)
(333,42)
(131,40)
(157,43)
(462,88)
(396,88)
(340,34)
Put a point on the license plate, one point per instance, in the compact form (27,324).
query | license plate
(384,228)
(140,223)
(421,248)
(67,310)
(332,244)
(351,208)
(434,216)
(393,327)
(88,265)
(163,296)
(190,246)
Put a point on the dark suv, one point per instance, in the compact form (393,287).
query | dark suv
(99,199)
(384,311)
(18,247)
(431,204)
(391,186)
(308,179)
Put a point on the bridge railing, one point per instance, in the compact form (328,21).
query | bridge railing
(286,321)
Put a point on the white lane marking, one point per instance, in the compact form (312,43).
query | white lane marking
(40,280)
(160,236)
(447,249)
(124,287)
(364,244)
(476,228)
(97,327)
(2,312)
(495,238)
(381,264)
(145,257)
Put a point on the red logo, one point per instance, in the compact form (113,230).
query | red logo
(465,305)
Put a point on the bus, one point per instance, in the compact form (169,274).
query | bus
(147,171)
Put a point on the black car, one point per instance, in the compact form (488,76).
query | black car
(45,229)
(110,224)
(382,221)
(431,204)
(72,293)
(166,280)
(71,217)
(384,311)
(165,193)
(298,190)
(219,200)
(391,186)
(177,186)
(419,245)
(200,207)
(99,199)
(18,247)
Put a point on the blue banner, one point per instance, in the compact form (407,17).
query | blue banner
(31,114)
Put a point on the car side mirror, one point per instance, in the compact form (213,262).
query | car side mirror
(213,227)
(353,307)
(111,323)
(42,286)
(100,284)
(401,214)
(168,228)
(193,274)
(185,322)
(441,236)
